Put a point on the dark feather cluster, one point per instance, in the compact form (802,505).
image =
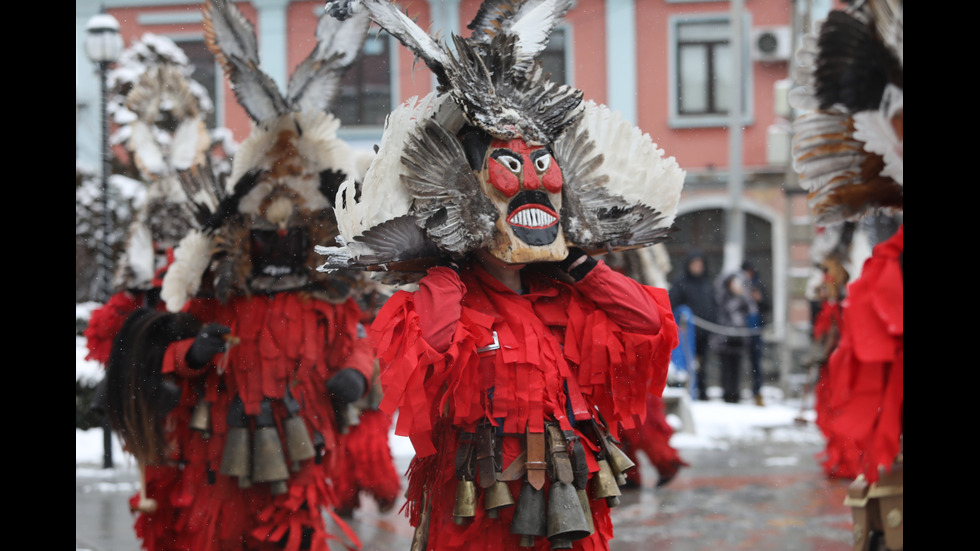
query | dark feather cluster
(854,65)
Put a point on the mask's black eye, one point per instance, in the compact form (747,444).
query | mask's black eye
(541,163)
(510,160)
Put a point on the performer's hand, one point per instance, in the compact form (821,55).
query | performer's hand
(209,341)
(577,264)
(347,385)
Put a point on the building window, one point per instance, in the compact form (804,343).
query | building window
(365,91)
(702,72)
(703,68)
(553,57)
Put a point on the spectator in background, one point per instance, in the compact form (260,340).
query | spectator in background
(695,289)
(734,308)
(757,291)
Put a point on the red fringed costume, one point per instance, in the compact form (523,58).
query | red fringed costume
(105,322)
(465,359)
(864,376)
(366,465)
(288,341)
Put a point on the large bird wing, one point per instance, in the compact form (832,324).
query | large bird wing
(623,192)
(231,38)
(448,201)
(531,22)
(393,20)
(316,82)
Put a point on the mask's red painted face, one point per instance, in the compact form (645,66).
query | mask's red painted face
(525,183)
(520,165)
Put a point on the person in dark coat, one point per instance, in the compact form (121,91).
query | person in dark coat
(695,289)
(735,307)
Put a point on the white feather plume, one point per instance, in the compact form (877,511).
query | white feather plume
(191,259)
(636,166)
(875,129)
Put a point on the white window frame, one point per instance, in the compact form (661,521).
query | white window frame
(675,118)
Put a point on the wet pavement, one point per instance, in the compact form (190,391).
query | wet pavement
(764,495)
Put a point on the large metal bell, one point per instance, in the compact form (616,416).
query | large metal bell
(465,506)
(604,484)
(618,460)
(299,445)
(237,457)
(530,519)
(270,462)
(269,459)
(201,418)
(566,519)
(496,497)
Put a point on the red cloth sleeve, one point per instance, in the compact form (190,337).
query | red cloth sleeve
(612,359)
(622,298)
(438,302)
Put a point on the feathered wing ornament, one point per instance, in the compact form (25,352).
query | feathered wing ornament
(848,143)
(623,191)
(425,194)
(284,175)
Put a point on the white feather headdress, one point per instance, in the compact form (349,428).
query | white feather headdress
(290,165)
(420,197)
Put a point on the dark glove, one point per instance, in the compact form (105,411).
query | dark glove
(340,9)
(347,385)
(209,341)
(581,270)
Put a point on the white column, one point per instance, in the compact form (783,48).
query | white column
(621,57)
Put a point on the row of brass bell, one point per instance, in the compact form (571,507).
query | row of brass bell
(264,460)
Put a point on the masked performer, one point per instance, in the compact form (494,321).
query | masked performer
(265,349)
(166,134)
(519,357)
(848,149)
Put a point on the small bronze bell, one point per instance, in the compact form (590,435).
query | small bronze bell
(618,460)
(299,445)
(497,496)
(566,519)
(465,506)
(270,462)
(604,484)
(201,418)
(237,457)
(529,515)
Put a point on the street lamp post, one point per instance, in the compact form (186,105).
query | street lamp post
(104,45)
